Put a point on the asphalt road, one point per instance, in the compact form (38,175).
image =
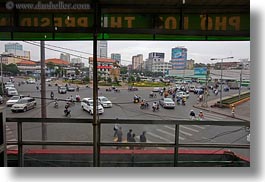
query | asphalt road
(124,108)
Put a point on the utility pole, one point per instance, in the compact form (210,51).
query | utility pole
(221,91)
(43,93)
(206,87)
(2,79)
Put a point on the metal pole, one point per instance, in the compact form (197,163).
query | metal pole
(43,93)
(20,146)
(239,90)
(176,148)
(221,91)
(2,79)
(96,147)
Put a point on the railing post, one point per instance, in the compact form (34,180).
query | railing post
(176,148)
(20,146)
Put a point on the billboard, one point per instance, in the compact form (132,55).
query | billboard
(200,71)
(176,53)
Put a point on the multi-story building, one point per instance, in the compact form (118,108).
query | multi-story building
(102,49)
(105,67)
(137,62)
(116,57)
(154,57)
(178,58)
(65,56)
(14,53)
(163,67)
(190,64)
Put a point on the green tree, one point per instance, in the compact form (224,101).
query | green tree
(109,80)
(123,70)
(131,79)
(77,72)
(138,79)
(11,68)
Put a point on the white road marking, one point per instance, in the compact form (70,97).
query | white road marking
(198,126)
(167,133)
(157,136)
(183,132)
(189,128)
(149,141)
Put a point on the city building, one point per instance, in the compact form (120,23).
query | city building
(153,57)
(116,57)
(190,64)
(137,62)
(28,67)
(227,65)
(77,62)
(178,58)
(163,67)
(102,49)
(14,53)
(65,57)
(105,67)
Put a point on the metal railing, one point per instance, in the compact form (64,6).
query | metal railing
(176,145)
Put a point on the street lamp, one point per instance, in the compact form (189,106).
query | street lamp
(221,91)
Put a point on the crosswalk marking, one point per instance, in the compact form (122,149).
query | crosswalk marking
(189,129)
(181,131)
(157,136)
(149,141)
(167,133)
(197,126)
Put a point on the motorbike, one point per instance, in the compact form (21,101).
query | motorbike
(144,106)
(155,108)
(56,104)
(67,113)
(183,102)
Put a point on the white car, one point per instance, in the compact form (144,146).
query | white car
(13,100)
(182,94)
(87,105)
(12,92)
(248,137)
(24,104)
(156,89)
(104,101)
(31,81)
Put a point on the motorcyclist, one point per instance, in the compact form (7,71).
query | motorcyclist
(184,99)
(52,95)
(71,99)
(56,103)
(201,115)
(155,106)
(192,115)
(77,98)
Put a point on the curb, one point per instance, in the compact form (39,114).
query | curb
(202,108)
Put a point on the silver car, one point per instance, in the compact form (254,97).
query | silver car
(24,104)
(167,103)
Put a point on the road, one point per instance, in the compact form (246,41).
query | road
(124,108)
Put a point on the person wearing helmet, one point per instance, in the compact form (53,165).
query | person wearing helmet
(233,110)
(192,115)
(201,115)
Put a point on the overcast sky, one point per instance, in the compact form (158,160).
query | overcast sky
(200,51)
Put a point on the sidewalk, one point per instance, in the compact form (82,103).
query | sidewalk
(242,111)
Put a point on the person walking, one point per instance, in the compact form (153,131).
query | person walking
(132,140)
(233,110)
(119,135)
(129,135)
(143,138)
(116,128)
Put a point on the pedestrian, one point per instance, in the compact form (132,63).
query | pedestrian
(143,138)
(129,135)
(233,110)
(116,128)
(119,135)
(132,140)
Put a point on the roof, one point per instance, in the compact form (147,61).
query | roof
(27,62)
(57,61)
(103,60)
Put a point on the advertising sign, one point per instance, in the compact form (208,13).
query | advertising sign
(200,71)
(176,53)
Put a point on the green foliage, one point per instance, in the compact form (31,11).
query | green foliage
(11,68)
(138,79)
(131,79)
(109,80)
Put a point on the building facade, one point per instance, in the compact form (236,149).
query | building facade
(116,57)
(14,54)
(102,49)
(190,64)
(163,67)
(178,58)
(154,57)
(137,62)
(65,57)
(105,67)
